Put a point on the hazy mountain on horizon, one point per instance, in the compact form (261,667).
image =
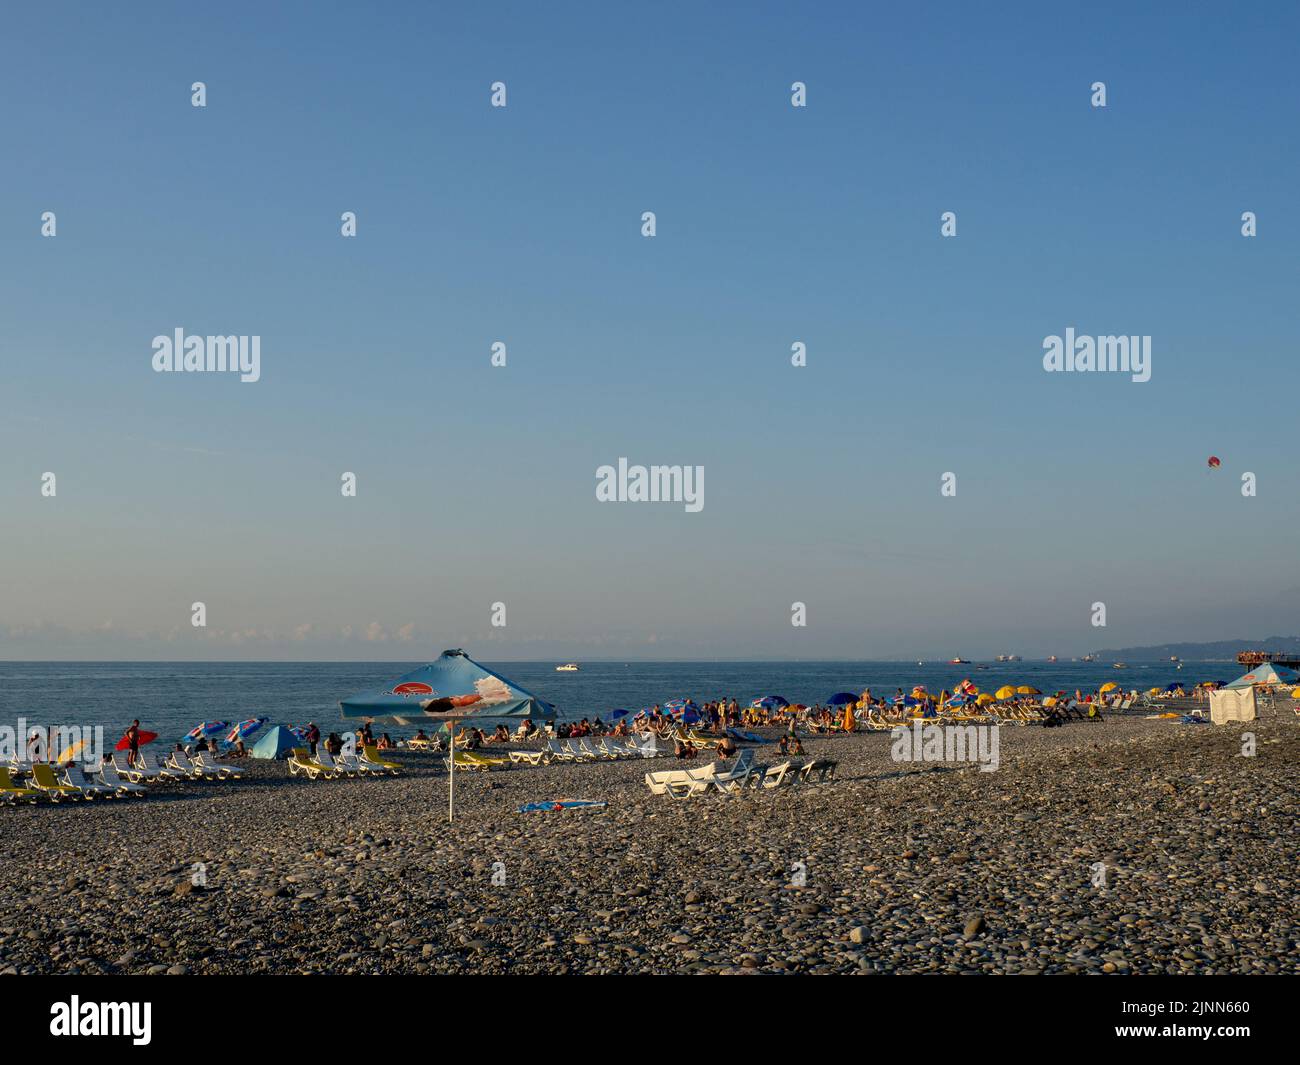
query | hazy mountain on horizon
(1217,650)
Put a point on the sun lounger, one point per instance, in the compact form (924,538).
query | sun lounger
(73,775)
(373,760)
(111,778)
(134,773)
(775,776)
(651,746)
(301,762)
(149,765)
(12,792)
(180,760)
(594,752)
(354,766)
(475,761)
(557,751)
(736,777)
(44,780)
(822,769)
(203,760)
(530,757)
(692,781)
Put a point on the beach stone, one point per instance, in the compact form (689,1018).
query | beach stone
(974,926)
(860,934)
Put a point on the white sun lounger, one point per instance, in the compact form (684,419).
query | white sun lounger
(697,781)
(180,760)
(150,765)
(737,776)
(593,752)
(777,775)
(355,766)
(133,773)
(73,775)
(110,777)
(531,757)
(203,761)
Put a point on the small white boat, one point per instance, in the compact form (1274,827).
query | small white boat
(568,667)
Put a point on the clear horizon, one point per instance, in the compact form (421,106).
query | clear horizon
(476,485)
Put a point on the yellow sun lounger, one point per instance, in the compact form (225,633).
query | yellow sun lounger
(44,779)
(371,754)
(302,762)
(470,760)
(10,790)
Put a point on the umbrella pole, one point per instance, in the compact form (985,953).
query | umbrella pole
(451,778)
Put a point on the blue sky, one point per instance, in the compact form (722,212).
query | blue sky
(522,224)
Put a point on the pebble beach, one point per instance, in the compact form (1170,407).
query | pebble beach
(1124,846)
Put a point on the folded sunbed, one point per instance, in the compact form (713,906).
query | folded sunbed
(475,761)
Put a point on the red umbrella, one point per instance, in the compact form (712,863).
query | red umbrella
(145,737)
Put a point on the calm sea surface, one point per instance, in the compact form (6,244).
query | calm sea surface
(171,697)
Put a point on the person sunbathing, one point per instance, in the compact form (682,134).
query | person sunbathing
(684,749)
(726,747)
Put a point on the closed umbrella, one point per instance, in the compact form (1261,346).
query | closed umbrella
(246,728)
(207,728)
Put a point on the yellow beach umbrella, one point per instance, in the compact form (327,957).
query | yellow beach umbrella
(69,754)
(1155,691)
(1050,701)
(984,698)
(1027,689)
(1295,693)
(1005,692)
(1109,686)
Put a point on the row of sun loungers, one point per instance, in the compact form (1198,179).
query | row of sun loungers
(735,777)
(115,778)
(324,766)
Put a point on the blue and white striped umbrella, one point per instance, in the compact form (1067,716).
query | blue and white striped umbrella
(246,728)
(207,728)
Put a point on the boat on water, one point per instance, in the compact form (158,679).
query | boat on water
(1051,658)
(568,667)
(1008,658)
(1089,658)
(1121,665)
(959,661)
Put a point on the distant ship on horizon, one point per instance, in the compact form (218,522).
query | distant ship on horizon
(568,667)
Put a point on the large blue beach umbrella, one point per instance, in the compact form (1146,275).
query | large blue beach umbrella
(452,688)
(770,702)
(842,699)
